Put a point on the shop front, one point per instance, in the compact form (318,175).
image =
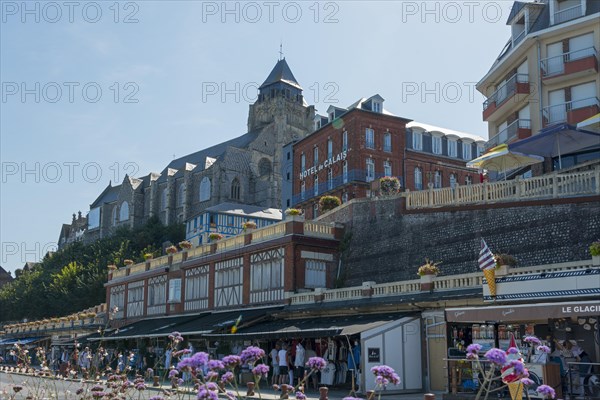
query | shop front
(570,329)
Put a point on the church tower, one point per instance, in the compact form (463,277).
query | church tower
(282,116)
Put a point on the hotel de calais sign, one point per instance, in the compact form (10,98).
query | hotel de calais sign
(325,164)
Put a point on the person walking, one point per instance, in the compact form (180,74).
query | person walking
(282,361)
(273,355)
(299,362)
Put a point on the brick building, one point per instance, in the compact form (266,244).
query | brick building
(354,147)
(257,269)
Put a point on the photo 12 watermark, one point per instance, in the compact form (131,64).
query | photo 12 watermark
(248,92)
(453,12)
(53,12)
(65,171)
(439,92)
(253,12)
(24,252)
(70,92)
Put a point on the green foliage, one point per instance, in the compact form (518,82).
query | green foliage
(73,278)
(327,203)
(595,248)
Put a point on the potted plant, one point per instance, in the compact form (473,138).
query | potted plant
(248,225)
(595,252)
(328,203)
(171,250)
(428,271)
(148,256)
(215,236)
(128,262)
(294,214)
(504,262)
(185,245)
(389,185)
(112,267)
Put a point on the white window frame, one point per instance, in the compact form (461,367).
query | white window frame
(316,185)
(316,156)
(387,142)
(329,148)
(467,153)
(437,179)
(345,171)
(370,170)
(302,190)
(387,168)
(417,142)
(436,144)
(369,138)
(124,211)
(345,141)
(329,179)
(418,174)
(302,162)
(205,189)
(174,290)
(452,148)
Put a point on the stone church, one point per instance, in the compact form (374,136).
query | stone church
(246,169)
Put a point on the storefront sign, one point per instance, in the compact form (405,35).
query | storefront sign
(325,164)
(374,354)
(524,312)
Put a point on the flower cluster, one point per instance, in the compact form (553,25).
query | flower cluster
(249,225)
(504,259)
(171,250)
(532,340)
(316,363)
(496,356)
(261,370)
(389,185)
(215,236)
(595,248)
(185,244)
(128,262)
(546,392)
(473,351)
(292,211)
(252,354)
(429,268)
(383,373)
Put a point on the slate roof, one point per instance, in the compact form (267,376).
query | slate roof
(281,73)
(445,131)
(246,210)
(109,195)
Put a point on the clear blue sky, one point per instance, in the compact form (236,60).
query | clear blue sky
(157,64)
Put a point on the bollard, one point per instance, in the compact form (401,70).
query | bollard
(250,391)
(323,392)
(429,396)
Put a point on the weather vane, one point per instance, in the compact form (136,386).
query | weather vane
(280,51)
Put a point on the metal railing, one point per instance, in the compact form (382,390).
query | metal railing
(509,132)
(556,65)
(506,90)
(546,186)
(568,14)
(558,112)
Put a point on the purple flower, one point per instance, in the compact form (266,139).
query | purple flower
(212,375)
(231,361)
(546,391)
(543,349)
(496,356)
(527,382)
(197,360)
(300,396)
(215,364)
(97,388)
(380,380)
(204,393)
(519,367)
(472,356)
(386,372)
(252,354)
(474,348)
(157,398)
(261,369)
(317,363)
(212,386)
(227,377)
(532,339)
(512,350)
(173,373)
(98,395)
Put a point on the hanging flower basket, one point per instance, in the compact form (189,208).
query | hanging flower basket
(128,262)
(112,267)
(429,268)
(148,256)
(215,236)
(248,225)
(293,212)
(389,185)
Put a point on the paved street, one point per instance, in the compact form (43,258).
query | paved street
(44,388)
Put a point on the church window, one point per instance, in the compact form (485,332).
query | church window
(180,195)
(264,167)
(124,211)
(205,189)
(235,189)
(163,199)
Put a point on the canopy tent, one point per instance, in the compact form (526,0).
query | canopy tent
(311,327)
(224,321)
(500,158)
(146,328)
(556,140)
(591,124)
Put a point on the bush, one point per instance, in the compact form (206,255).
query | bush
(249,225)
(327,203)
(389,185)
(293,211)
(215,236)
(171,250)
(505,259)
(595,248)
(429,268)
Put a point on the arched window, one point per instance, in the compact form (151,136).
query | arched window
(114,217)
(163,199)
(124,211)
(264,167)
(418,179)
(437,179)
(180,195)
(205,189)
(235,189)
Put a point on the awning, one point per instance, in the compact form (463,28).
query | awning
(223,321)
(524,312)
(590,124)
(312,327)
(11,341)
(147,328)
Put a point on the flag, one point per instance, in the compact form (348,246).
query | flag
(234,328)
(486,258)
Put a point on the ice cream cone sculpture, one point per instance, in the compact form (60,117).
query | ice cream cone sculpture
(490,276)
(516,390)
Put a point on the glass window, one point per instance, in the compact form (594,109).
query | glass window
(370,138)
(303,190)
(316,185)
(316,156)
(315,210)
(436,144)
(387,142)
(376,107)
(468,180)
(466,147)
(345,171)
(370,170)
(163,199)
(387,168)
(417,140)
(329,179)
(418,179)
(180,195)
(480,150)
(453,181)
(302,163)
(124,211)
(175,290)
(329,148)
(437,179)
(115,216)
(205,189)
(345,197)
(235,189)
(345,141)
(452,148)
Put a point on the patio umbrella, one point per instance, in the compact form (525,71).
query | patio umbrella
(556,140)
(500,158)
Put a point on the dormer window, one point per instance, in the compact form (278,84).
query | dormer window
(519,30)
(331,116)
(565,10)
(377,107)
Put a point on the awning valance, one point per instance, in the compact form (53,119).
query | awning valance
(146,328)
(523,312)
(12,341)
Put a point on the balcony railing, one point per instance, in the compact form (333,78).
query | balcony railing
(506,90)
(508,133)
(568,14)
(552,66)
(542,187)
(559,112)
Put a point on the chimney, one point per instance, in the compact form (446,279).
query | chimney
(79,215)
(73,218)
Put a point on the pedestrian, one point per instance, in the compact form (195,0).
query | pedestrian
(299,362)
(275,365)
(283,365)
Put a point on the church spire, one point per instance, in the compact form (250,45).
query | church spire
(281,73)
